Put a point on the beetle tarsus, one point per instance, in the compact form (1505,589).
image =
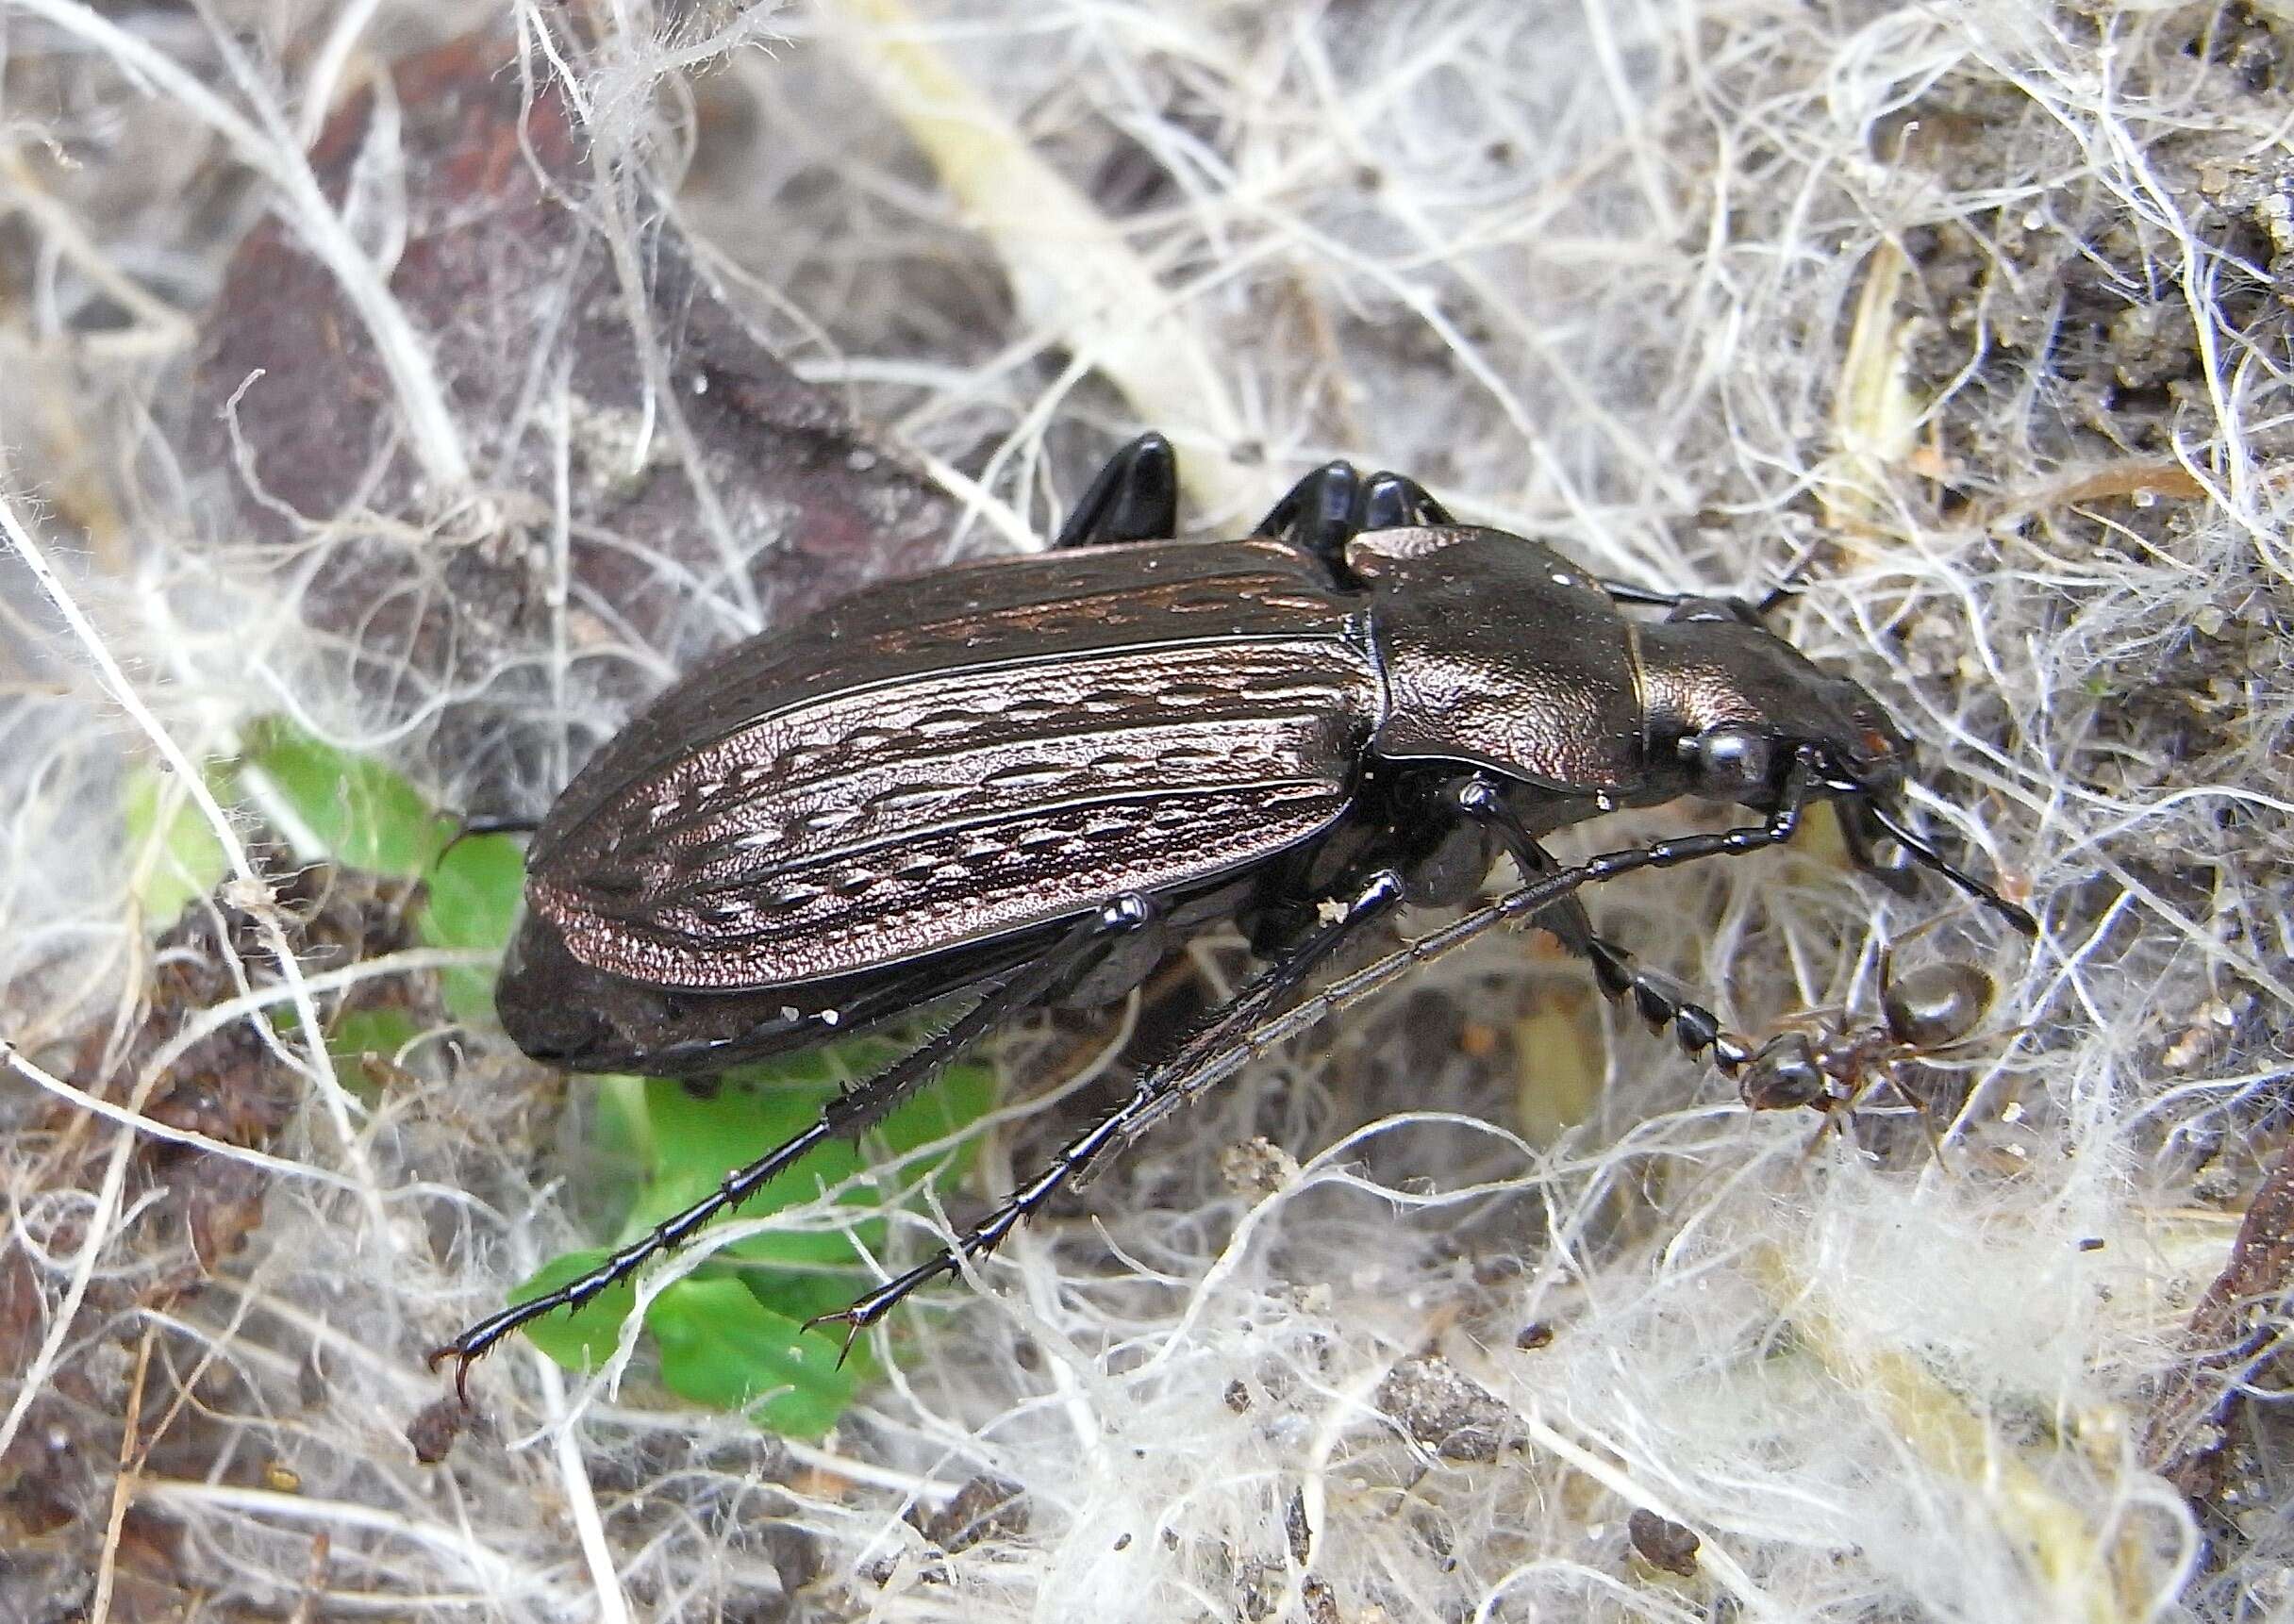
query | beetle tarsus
(1659,999)
(846,1116)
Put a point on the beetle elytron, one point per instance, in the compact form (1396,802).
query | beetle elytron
(1023,780)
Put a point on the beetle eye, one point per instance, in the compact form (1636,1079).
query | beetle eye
(1877,743)
(1731,760)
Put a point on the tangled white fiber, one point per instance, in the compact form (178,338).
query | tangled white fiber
(1476,1304)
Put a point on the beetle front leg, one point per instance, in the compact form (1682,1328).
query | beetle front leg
(1658,999)
(1335,503)
(1160,1088)
(845,1116)
(1134,497)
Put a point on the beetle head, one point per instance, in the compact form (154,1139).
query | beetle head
(1737,705)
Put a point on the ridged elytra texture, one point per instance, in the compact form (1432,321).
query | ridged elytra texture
(961,756)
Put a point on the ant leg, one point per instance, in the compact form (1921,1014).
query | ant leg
(847,1115)
(1658,999)
(1134,497)
(1159,1088)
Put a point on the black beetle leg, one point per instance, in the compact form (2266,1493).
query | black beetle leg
(1529,903)
(1658,999)
(845,1116)
(1871,850)
(1391,502)
(1320,513)
(1375,897)
(1134,497)
(1213,1051)
(1157,1090)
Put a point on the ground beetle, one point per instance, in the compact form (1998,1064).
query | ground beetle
(1023,780)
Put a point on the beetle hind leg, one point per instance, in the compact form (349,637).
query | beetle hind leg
(847,1115)
(1134,497)
(1158,1089)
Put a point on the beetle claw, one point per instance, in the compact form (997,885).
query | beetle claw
(853,1322)
(463,1358)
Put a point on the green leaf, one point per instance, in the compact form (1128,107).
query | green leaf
(719,1346)
(729,1332)
(361,813)
(475,888)
(358,1031)
(358,811)
(187,860)
(962,1096)
(694,1140)
(722,1348)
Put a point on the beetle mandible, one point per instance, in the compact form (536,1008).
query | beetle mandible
(1023,780)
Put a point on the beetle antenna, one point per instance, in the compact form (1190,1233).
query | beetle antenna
(1787,583)
(1928,858)
(470,826)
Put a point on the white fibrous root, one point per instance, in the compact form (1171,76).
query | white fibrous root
(1967,323)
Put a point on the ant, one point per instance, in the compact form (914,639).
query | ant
(1928,1016)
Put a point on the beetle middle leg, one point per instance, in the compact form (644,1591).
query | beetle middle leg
(848,1115)
(1134,497)
(1159,1088)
